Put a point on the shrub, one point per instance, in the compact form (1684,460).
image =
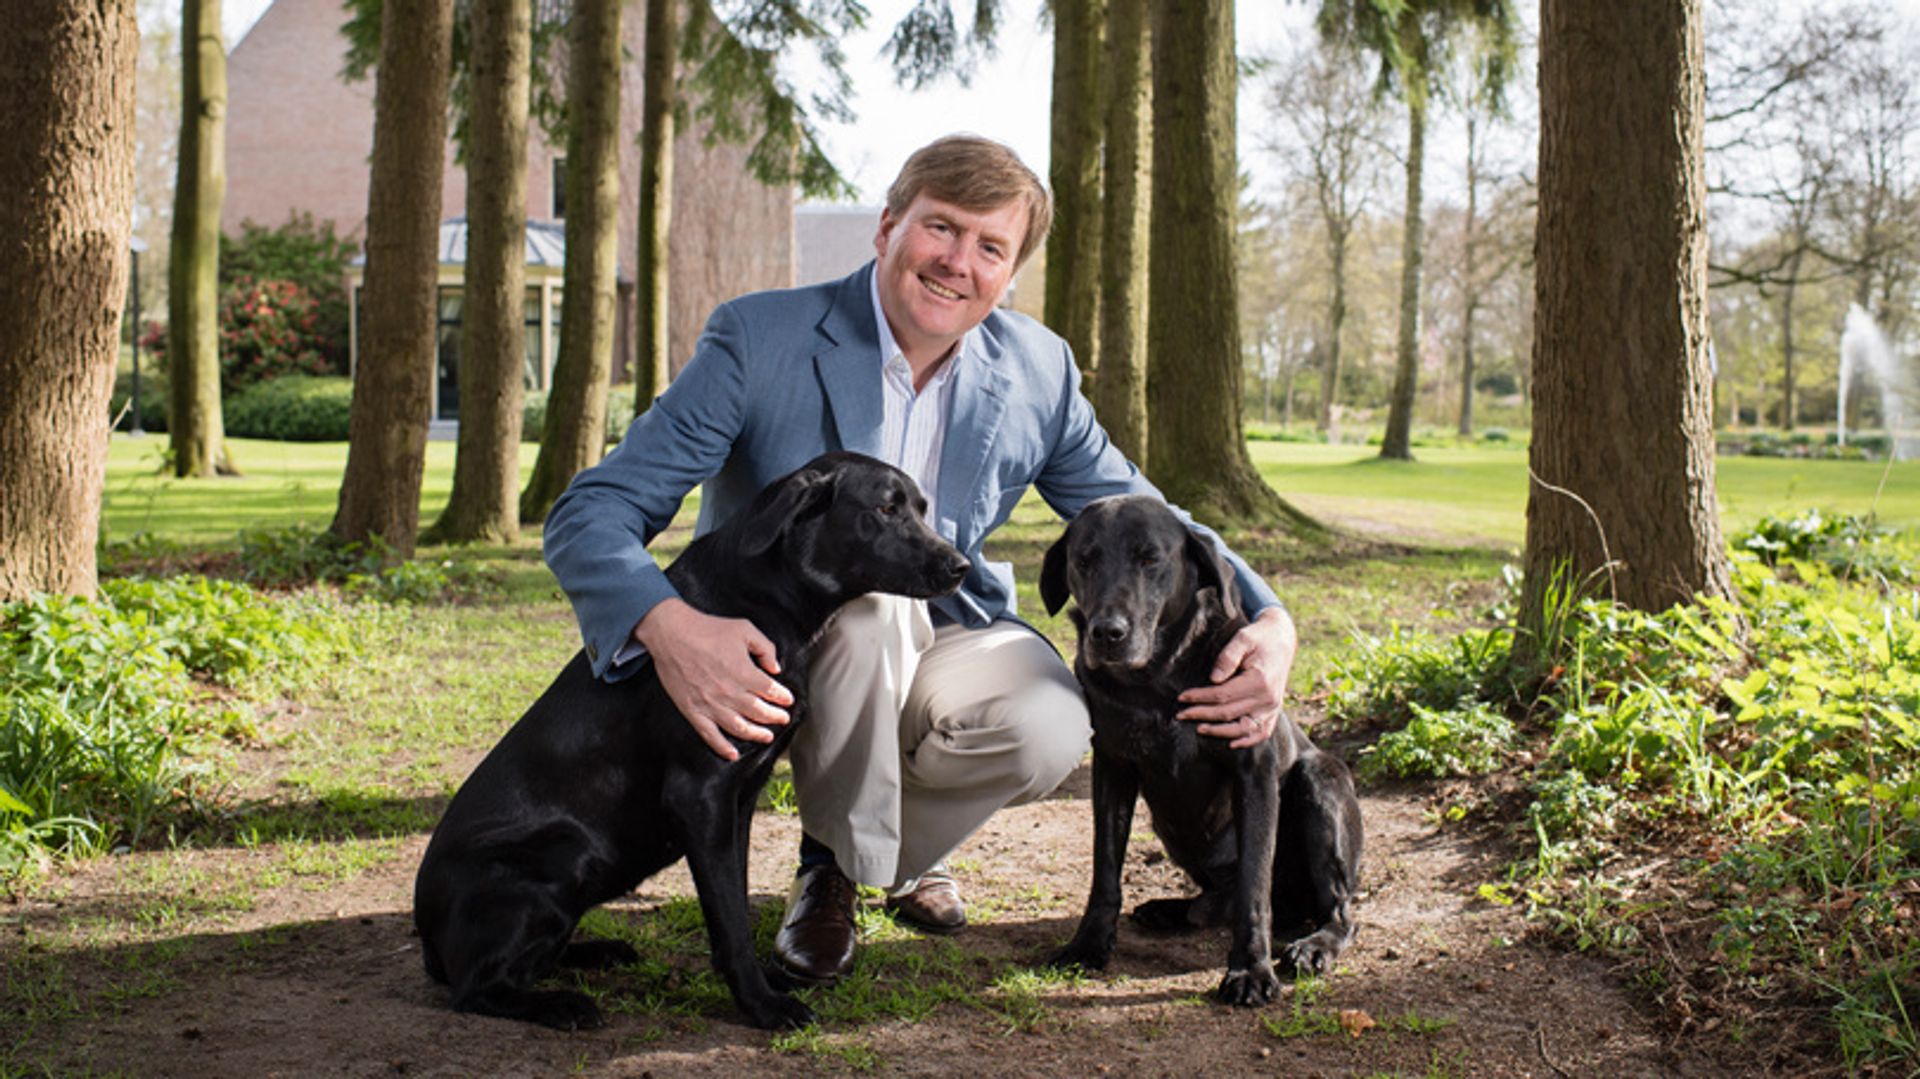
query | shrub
(299,555)
(309,255)
(1457,742)
(533,416)
(1844,544)
(100,699)
(298,408)
(268,329)
(1775,735)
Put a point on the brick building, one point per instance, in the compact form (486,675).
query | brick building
(298,138)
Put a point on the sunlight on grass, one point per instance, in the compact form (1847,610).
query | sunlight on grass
(1479,495)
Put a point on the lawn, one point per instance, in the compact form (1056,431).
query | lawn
(1450,497)
(1479,495)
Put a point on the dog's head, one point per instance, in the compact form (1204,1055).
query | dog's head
(1134,572)
(850,525)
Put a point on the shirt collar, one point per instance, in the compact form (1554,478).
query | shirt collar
(890,349)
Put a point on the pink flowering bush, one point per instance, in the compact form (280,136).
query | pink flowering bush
(268,329)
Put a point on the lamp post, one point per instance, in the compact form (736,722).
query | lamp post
(138,246)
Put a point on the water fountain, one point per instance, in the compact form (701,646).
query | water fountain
(1864,351)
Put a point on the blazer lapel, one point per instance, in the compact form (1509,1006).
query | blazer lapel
(849,366)
(979,402)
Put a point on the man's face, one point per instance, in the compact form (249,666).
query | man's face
(942,269)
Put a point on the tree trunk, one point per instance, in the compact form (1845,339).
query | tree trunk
(1120,391)
(484,505)
(1398,443)
(1286,417)
(66,74)
(1471,299)
(1789,403)
(1622,393)
(576,430)
(195,431)
(656,199)
(393,379)
(1073,249)
(1336,325)
(1198,454)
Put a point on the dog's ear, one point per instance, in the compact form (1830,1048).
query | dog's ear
(1210,570)
(796,495)
(1053,574)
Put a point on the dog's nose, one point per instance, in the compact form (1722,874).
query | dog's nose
(1109,630)
(957,566)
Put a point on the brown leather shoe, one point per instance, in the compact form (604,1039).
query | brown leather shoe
(815,943)
(932,905)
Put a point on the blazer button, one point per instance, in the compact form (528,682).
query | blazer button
(593,652)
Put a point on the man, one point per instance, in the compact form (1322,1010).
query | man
(925,718)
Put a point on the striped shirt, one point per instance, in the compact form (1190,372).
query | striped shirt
(915,426)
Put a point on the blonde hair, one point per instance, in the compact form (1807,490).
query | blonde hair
(977,175)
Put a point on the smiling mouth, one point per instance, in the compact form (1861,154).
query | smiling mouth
(940,290)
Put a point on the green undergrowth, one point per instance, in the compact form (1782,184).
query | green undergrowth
(114,711)
(1727,792)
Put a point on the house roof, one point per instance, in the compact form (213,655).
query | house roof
(546,244)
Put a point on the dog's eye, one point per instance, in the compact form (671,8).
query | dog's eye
(1147,559)
(886,509)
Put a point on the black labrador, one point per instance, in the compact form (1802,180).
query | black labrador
(600,785)
(1271,832)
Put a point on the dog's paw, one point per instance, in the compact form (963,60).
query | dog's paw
(1309,955)
(1164,915)
(1249,988)
(1083,955)
(777,1011)
(598,954)
(563,1009)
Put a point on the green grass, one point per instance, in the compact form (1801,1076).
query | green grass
(1479,495)
(282,483)
(1450,495)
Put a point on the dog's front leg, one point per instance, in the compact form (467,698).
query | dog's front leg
(1115,786)
(713,833)
(1256,787)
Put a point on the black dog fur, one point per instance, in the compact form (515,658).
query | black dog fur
(1271,832)
(599,786)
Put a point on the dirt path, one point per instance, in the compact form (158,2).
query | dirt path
(327,980)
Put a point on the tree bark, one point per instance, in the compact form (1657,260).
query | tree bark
(575,434)
(1397,445)
(1073,249)
(484,505)
(393,381)
(1789,402)
(1622,396)
(195,431)
(66,74)
(1470,301)
(1198,454)
(656,199)
(1336,325)
(1120,391)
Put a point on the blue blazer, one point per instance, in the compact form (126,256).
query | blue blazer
(781,377)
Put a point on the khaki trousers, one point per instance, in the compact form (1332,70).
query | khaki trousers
(914,737)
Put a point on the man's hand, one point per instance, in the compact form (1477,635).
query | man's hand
(1249,682)
(719,672)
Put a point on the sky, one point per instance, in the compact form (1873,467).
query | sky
(1006,100)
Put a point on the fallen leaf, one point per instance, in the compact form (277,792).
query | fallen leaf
(1353,1021)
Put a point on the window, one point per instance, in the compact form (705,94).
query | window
(559,189)
(531,313)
